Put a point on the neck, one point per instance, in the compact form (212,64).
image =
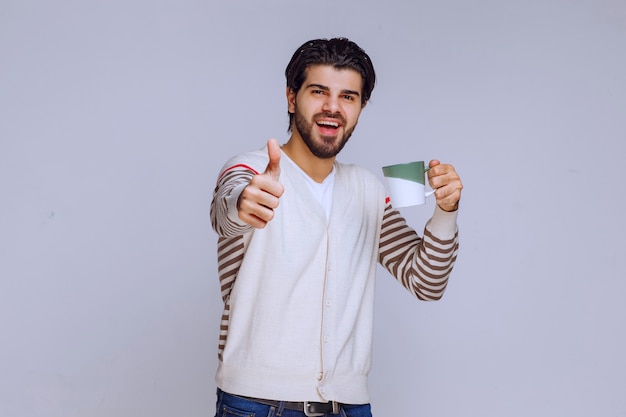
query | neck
(316,168)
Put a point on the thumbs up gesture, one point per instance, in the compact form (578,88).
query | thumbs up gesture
(259,199)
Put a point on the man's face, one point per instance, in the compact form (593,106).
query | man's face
(326,109)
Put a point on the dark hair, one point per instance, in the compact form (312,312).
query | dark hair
(340,53)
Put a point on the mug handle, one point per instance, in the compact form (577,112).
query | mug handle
(431,192)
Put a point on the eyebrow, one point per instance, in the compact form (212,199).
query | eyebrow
(325,88)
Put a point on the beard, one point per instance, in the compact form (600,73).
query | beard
(326,146)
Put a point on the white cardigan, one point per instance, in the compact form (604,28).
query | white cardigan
(299,294)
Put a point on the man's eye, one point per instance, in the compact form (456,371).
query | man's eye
(348,97)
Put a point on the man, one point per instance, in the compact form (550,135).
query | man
(299,238)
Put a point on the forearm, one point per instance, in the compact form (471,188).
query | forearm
(421,264)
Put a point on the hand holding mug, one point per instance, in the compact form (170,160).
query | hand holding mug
(447,184)
(406,184)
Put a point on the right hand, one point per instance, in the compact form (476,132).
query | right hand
(258,200)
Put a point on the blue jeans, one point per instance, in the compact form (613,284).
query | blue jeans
(232,406)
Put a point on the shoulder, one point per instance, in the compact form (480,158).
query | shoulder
(361,181)
(357,172)
(253,161)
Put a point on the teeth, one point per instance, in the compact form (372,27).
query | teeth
(331,124)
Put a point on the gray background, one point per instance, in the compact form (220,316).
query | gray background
(115,117)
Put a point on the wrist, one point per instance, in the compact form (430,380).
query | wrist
(449,209)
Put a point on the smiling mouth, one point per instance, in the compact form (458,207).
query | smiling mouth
(329,124)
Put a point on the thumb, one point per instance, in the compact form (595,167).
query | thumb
(273,167)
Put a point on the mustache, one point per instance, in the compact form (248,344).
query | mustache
(328,115)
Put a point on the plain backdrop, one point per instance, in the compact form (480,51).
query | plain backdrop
(115,117)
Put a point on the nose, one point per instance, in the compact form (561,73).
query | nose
(331,104)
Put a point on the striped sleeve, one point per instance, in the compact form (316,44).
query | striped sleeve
(230,252)
(421,264)
(230,184)
(231,235)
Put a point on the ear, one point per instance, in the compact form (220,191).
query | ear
(363,104)
(291,100)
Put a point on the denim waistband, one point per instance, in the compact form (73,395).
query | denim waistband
(230,404)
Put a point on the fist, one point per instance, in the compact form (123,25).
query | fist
(258,200)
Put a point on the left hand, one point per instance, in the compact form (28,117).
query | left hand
(446,183)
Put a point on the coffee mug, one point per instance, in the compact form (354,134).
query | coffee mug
(405,183)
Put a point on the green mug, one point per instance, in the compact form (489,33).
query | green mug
(406,183)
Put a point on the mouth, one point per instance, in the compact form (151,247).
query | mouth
(328,126)
(325,123)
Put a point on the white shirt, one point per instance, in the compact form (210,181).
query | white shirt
(323,192)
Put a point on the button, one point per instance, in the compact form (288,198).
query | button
(329,303)
(320,376)
(326,339)
(322,390)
